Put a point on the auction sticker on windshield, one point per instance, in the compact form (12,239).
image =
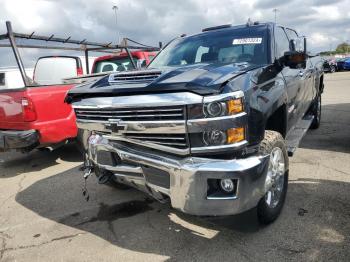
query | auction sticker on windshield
(247,41)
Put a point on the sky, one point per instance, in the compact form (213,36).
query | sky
(326,23)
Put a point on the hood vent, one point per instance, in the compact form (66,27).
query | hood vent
(134,77)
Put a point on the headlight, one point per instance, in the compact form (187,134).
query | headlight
(214,109)
(214,138)
(221,137)
(218,124)
(230,107)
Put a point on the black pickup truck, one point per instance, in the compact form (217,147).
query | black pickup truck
(211,121)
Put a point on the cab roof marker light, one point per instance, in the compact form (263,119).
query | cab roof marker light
(216,27)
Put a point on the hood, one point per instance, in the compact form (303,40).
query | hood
(203,79)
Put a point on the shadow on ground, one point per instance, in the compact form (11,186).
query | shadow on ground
(333,134)
(313,226)
(36,160)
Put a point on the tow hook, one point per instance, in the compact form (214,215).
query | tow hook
(87,172)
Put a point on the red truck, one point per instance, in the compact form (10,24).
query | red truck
(121,61)
(36,115)
(103,65)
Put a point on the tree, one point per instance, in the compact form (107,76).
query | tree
(343,48)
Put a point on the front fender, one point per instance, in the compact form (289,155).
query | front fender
(265,92)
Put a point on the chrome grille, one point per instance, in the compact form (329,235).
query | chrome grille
(171,140)
(142,114)
(134,77)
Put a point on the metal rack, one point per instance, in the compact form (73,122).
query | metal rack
(82,45)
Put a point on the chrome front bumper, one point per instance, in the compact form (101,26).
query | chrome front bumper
(188,177)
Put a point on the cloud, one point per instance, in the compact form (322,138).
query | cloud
(152,21)
(269,4)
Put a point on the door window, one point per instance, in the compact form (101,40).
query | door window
(291,34)
(282,42)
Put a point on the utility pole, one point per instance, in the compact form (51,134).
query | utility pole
(115,8)
(275,10)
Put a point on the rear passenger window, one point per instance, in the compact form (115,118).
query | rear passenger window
(281,41)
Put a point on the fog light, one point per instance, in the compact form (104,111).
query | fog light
(227,185)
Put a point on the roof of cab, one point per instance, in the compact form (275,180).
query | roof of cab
(229,27)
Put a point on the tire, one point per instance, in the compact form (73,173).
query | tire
(316,111)
(276,185)
(333,69)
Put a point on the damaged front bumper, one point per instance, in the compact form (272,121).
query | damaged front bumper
(188,182)
(20,140)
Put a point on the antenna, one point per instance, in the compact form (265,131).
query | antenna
(275,10)
(115,8)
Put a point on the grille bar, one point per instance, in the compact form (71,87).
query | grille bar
(149,114)
(130,111)
(125,116)
(157,138)
(178,140)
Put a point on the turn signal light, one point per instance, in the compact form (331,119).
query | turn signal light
(234,106)
(235,135)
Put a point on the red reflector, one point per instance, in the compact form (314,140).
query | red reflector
(79,71)
(28,110)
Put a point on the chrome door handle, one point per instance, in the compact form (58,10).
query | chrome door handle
(301,74)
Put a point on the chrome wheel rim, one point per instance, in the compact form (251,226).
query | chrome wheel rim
(275,178)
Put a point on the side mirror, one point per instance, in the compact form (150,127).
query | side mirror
(296,58)
(298,44)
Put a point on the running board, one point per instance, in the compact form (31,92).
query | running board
(297,133)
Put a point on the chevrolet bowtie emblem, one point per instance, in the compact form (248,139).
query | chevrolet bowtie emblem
(116,126)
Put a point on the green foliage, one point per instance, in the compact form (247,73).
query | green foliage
(343,48)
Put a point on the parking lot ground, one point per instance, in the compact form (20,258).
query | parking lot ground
(43,216)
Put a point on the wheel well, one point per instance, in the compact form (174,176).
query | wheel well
(278,121)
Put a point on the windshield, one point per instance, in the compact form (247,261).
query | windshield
(117,64)
(222,46)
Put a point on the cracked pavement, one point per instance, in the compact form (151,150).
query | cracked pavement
(44,217)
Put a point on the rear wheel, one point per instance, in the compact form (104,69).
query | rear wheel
(316,111)
(276,183)
(332,69)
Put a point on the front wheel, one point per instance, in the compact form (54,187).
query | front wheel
(276,183)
